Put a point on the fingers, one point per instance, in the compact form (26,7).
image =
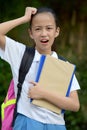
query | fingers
(29,93)
(31,9)
(34,83)
(28,12)
(31,88)
(34,10)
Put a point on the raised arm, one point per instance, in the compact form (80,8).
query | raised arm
(9,25)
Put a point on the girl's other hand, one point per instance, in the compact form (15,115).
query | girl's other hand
(35,91)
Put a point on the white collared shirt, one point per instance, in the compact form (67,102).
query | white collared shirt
(13,54)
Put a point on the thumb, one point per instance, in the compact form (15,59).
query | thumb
(34,83)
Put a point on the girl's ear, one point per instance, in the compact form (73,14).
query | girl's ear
(57,32)
(30,33)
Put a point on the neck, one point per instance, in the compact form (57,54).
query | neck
(44,52)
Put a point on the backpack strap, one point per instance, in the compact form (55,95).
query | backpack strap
(61,58)
(25,64)
(24,68)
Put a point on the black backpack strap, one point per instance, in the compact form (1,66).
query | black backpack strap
(24,68)
(61,58)
(26,63)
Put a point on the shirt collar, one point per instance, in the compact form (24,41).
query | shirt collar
(38,55)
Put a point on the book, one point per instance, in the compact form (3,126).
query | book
(54,75)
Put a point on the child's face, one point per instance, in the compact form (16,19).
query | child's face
(44,31)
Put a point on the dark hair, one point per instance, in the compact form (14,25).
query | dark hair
(45,9)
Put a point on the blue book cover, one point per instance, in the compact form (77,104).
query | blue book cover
(68,91)
(42,59)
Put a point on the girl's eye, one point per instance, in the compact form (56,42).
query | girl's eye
(37,29)
(49,28)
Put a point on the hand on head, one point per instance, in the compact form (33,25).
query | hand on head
(28,12)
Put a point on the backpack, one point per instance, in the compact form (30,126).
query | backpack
(9,106)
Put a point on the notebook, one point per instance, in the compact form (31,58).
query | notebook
(54,75)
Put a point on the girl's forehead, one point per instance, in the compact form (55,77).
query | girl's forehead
(43,18)
(44,13)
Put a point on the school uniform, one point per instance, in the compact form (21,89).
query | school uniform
(31,117)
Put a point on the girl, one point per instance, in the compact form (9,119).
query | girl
(43,30)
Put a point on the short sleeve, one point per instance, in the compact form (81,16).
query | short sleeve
(75,85)
(13,52)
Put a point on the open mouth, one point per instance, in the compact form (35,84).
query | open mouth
(44,41)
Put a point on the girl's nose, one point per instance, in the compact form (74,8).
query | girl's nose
(44,32)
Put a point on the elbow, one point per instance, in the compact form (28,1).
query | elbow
(2,42)
(76,107)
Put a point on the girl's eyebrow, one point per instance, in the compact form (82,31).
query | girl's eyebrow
(42,26)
